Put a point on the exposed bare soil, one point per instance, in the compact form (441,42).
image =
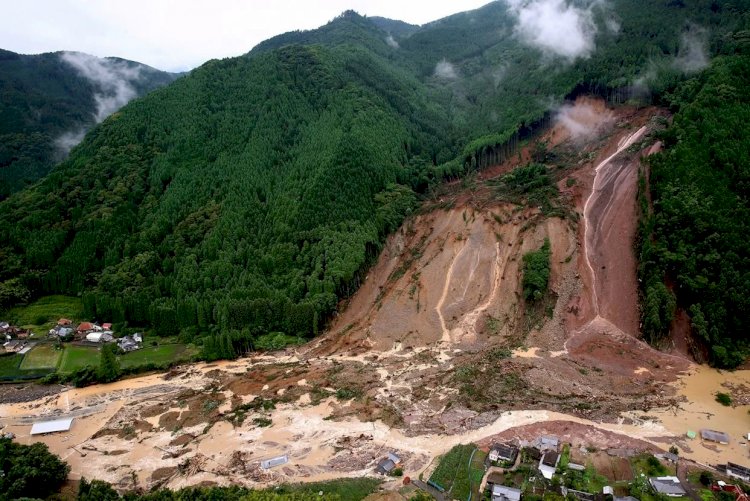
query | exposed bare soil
(436,348)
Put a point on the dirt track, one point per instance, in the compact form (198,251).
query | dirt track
(420,358)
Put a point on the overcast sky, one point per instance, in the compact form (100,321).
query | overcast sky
(177,35)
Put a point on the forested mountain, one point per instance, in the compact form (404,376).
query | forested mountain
(48,101)
(696,237)
(251,195)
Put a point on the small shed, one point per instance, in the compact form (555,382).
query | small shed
(579,495)
(58,425)
(277,461)
(548,442)
(503,493)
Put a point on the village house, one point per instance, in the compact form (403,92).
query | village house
(548,443)
(61,331)
(14,345)
(739,494)
(737,471)
(548,464)
(718,437)
(86,327)
(4,326)
(130,343)
(503,452)
(668,486)
(64,322)
(503,493)
(388,464)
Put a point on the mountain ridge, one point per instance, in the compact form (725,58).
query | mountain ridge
(47,104)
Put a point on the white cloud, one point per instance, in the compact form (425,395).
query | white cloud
(583,119)
(113,81)
(556,26)
(391,41)
(692,56)
(67,140)
(445,70)
(613,25)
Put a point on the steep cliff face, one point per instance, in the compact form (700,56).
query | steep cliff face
(451,277)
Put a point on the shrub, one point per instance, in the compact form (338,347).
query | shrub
(724,399)
(706,478)
(536,270)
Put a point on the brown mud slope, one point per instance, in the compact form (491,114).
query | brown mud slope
(443,274)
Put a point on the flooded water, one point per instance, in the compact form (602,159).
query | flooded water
(701,410)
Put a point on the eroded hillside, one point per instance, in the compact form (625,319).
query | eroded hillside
(437,347)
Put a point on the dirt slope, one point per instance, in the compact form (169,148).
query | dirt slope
(443,274)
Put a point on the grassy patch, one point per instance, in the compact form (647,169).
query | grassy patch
(11,369)
(157,355)
(706,495)
(42,356)
(9,366)
(649,466)
(565,457)
(347,489)
(77,357)
(41,315)
(452,474)
(476,472)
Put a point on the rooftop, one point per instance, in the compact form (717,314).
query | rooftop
(715,436)
(51,426)
(667,485)
(502,493)
(550,459)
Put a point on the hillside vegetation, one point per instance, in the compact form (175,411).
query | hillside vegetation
(250,196)
(696,238)
(45,102)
